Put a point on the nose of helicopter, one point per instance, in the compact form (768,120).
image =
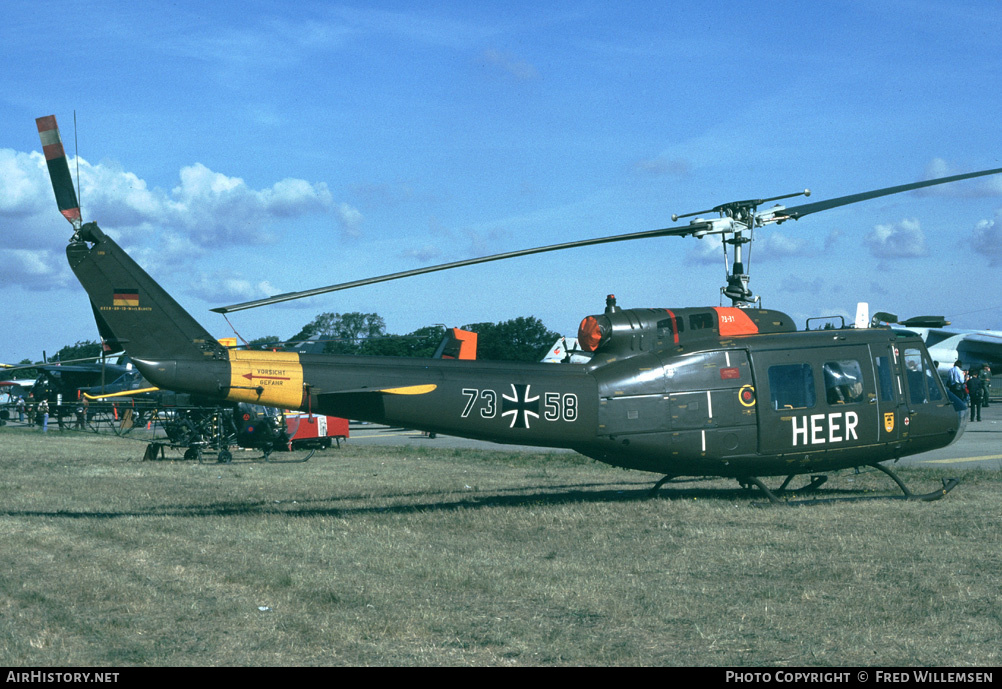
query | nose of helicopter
(960,407)
(962,425)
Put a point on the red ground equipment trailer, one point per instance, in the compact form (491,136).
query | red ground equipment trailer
(313,430)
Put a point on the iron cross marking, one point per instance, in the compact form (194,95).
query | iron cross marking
(520,406)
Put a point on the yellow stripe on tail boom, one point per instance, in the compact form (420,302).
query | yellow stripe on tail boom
(273,379)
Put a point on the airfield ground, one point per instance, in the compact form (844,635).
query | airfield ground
(427,552)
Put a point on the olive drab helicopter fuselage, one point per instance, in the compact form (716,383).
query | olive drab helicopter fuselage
(716,391)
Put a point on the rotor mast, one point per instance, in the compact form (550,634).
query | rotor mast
(736,218)
(736,288)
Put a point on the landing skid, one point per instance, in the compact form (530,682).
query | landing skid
(226,457)
(948,485)
(816,481)
(661,482)
(205,455)
(290,461)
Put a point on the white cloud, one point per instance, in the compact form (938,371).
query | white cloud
(778,245)
(213,208)
(227,286)
(484,242)
(28,215)
(795,283)
(937,168)
(508,65)
(984,187)
(986,239)
(205,210)
(426,254)
(350,221)
(904,239)
(33,269)
(831,241)
(117,198)
(21,175)
(770,247)
(661,166)
(706,250)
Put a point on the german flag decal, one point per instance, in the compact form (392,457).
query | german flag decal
(125,297)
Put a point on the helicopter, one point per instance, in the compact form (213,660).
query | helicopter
(110,395)
(727,391)
(113,397)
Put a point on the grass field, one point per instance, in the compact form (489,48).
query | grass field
(401,556)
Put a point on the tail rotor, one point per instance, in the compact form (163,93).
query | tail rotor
(59,170)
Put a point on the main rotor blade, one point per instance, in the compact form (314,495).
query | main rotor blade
(59,169)
(797,212)
(289,296)
(794,213)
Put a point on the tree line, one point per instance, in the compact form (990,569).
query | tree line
(518,339)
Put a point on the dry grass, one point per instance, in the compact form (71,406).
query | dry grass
(386,556)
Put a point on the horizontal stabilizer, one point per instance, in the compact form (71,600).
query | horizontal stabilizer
(398,390)
(369,404)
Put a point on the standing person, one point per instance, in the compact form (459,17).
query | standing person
(20,409)
(43,414)
(956,380)
(986,382)
(977,394)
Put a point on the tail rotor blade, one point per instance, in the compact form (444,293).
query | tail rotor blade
(59,169)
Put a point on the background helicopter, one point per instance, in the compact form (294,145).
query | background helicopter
(718,391)
(113,397)
(110,395)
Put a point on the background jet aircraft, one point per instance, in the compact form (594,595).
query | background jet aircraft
(973,348)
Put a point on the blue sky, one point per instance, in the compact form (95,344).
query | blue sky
(244,149)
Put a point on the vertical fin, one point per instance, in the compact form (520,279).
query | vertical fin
(109,343)
(132,307)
